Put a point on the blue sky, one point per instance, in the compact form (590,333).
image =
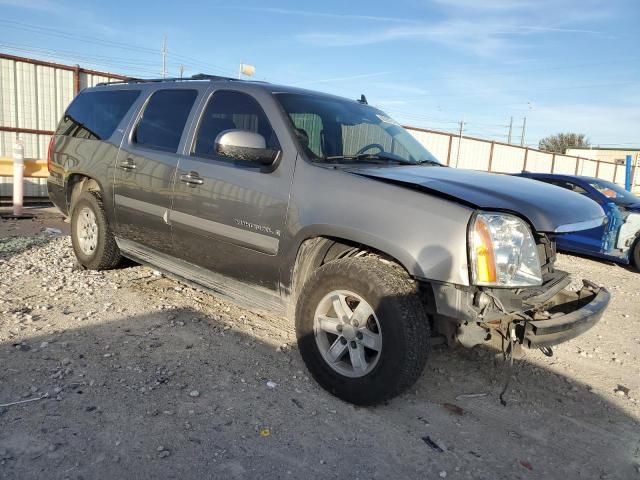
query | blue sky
(567,65)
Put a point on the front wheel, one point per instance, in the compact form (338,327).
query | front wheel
(362,330)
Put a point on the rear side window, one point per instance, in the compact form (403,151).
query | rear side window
(95,115)
(229,110)
(164,118)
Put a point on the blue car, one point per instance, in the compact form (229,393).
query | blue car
(619,238)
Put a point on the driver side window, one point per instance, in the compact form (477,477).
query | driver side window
(231,110)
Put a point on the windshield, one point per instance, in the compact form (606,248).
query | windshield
(614,192)
(337,131)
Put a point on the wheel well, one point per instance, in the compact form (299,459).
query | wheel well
(317,251)
(76,184)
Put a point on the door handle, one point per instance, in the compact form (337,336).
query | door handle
(192,179)
(128,164)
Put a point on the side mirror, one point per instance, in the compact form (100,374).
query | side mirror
(246,146)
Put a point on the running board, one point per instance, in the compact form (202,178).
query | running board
(229,289)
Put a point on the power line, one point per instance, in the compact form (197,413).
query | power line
(120,60)
(75,57)
(108,43)
(114,66)
(62,34)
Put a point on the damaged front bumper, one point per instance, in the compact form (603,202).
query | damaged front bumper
(570,314)
(534,318)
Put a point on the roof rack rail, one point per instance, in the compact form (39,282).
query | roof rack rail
(198,76)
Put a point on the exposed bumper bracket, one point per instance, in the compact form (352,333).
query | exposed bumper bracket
(584,308)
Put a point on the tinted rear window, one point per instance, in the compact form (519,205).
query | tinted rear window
(164,119)
(95,115)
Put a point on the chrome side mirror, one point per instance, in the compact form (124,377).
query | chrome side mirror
(245,146)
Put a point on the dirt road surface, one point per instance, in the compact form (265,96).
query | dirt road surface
(129,374)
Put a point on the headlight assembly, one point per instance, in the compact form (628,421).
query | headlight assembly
(503,252)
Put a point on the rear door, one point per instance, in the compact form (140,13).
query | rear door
(147,164)
(231,220)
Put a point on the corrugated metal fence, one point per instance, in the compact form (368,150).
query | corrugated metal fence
(33,97)
(487,155)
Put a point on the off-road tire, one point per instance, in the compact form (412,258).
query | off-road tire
(106,254)
(404,326)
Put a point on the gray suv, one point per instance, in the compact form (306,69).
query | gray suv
(323,209)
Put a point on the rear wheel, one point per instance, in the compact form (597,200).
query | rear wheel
(91,237)
(362,331)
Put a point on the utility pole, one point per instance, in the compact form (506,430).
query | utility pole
(460,140)
(510,130)
(524,127)
(181,70)
(164,56)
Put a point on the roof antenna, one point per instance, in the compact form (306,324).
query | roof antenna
(363,100)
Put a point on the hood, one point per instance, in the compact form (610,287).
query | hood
(548,208)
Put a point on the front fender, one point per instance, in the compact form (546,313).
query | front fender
(427,235)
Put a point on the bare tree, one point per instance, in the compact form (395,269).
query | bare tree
(560,142)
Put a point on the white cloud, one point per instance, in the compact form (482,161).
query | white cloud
(345,78)
(486,28)
(42,5)
(486,4)
(314,14)
(479,38)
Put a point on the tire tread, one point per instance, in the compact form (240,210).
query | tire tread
(110,256)
(412,319)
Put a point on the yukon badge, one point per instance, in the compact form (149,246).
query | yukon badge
(256,227)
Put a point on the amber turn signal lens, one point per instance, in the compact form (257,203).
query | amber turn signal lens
(485,263)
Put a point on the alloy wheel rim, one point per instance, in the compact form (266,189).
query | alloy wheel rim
(87,231)
(347,333)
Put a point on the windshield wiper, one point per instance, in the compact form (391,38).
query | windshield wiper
(379,157)
(368,157)
(429,162)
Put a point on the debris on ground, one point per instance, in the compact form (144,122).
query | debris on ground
(622,390)
(453,408)
(432,444)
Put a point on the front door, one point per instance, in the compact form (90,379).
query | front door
(229,216)
(146,168)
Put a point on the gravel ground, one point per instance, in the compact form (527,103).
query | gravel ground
(128,374)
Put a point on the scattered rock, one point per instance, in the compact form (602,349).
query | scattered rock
(453,408)
(621,390)
(526,464)
(432,444)
(194,393)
